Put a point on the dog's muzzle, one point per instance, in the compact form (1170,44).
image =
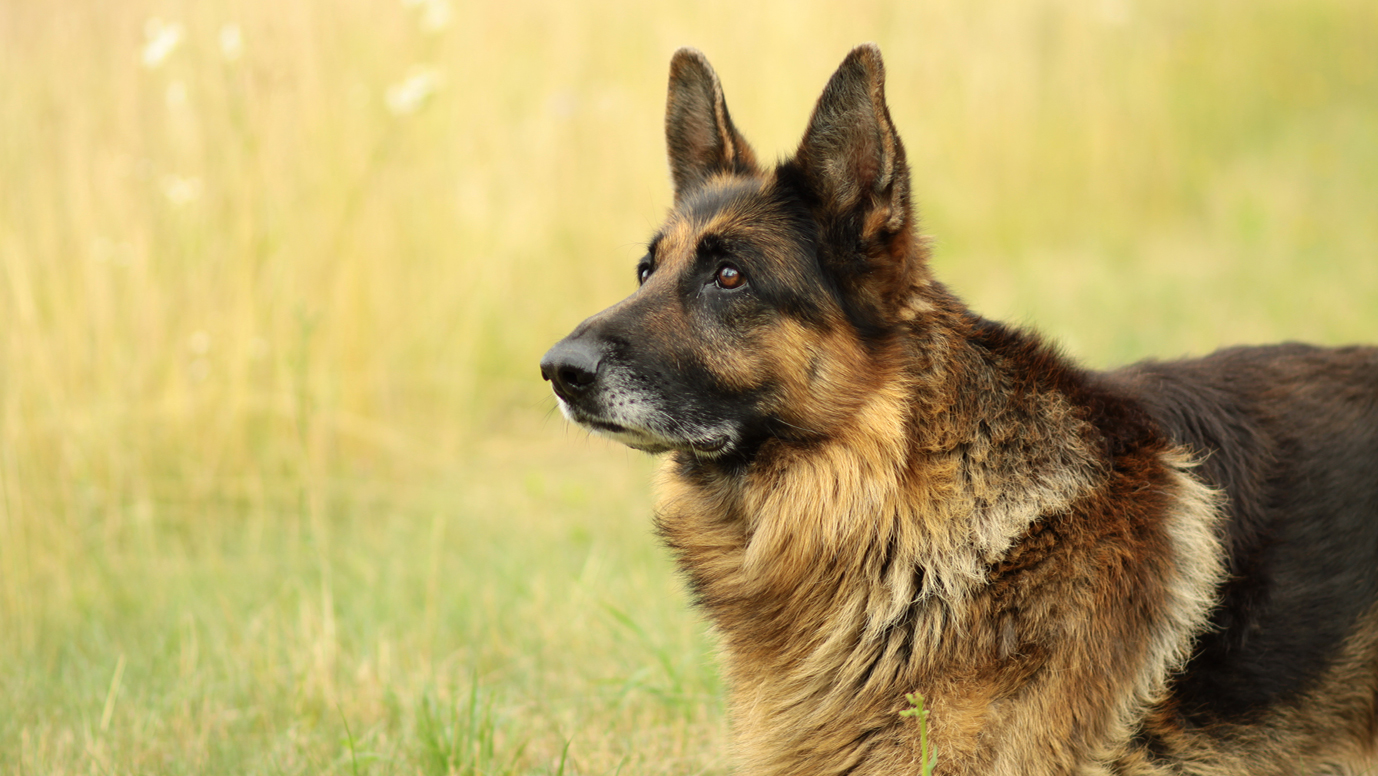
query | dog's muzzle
(600,392)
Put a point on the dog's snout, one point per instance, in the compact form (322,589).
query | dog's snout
(571,367)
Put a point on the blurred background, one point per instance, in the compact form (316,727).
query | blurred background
(281,490)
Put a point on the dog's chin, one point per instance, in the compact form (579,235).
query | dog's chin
(633,438)
(715,447)
(649,441)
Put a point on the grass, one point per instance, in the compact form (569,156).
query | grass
(279,491)
(920,716)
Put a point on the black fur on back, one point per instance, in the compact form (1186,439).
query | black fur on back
(1290,434)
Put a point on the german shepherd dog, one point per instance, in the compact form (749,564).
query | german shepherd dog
(1171,568)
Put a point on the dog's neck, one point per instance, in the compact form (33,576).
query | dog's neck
(917,492)
(805,558)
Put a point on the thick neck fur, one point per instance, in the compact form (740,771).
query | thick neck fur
(830,566)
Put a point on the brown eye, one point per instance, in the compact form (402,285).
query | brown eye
(729,277)
(642,273)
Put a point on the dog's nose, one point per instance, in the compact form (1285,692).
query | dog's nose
(571,367)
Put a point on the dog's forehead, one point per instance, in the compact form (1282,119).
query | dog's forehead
(731,206)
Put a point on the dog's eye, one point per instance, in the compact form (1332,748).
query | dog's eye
(729,277)
(643,273)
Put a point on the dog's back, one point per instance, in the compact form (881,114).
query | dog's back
(1289,433)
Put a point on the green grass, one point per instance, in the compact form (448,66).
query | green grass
(279,489)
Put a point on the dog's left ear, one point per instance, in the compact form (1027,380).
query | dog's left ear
(851,167)
(851,155)
(698,130)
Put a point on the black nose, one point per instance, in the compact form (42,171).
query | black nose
(571,367)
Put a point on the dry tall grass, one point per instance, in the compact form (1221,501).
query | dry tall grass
(279,488)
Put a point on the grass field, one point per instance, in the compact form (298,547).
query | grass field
(280,489)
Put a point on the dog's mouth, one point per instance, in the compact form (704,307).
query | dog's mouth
(647,440)
(712,447)
(603,425)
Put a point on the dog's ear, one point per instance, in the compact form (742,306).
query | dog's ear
(851,155)
(851,167)
(698,130)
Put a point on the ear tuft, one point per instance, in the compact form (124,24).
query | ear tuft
(698,129)
(851,153)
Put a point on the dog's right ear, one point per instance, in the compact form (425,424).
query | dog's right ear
(699,132)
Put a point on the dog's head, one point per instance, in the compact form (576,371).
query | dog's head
(769,300)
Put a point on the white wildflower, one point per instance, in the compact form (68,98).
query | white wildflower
(231,42)
(435,15)
(160,39)
(408,95)
(181,190)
